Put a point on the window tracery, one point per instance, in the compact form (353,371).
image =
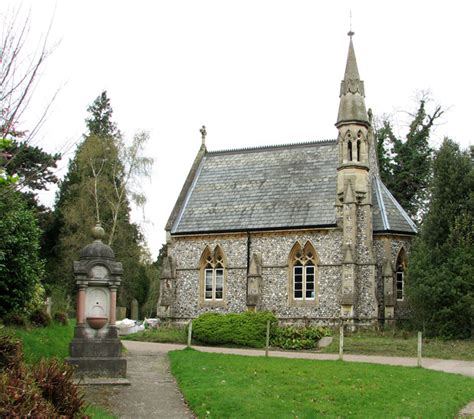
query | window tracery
(213,274)
(303,272)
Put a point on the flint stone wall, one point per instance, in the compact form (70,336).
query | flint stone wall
(396,243)
(274,249)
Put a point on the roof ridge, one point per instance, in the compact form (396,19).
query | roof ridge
(272,146)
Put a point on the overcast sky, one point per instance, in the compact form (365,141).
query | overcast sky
(254,72)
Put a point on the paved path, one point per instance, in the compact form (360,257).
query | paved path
(446,365)
(153,392)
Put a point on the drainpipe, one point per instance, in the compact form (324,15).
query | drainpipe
(248,251)
(248,268)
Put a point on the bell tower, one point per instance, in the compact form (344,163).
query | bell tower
(353,201)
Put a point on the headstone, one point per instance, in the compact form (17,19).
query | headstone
(121,312)
(325,341)
(134,309)
(95,348)
(49,303)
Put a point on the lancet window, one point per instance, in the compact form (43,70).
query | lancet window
(213,274)
(303,272)
(400,269)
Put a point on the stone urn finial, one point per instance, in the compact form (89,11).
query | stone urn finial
(98,233)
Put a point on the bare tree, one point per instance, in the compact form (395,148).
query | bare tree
(130,166)
(19,75)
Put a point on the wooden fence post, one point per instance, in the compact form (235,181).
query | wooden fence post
(190,333)
(267,341)
(341,341)
(418,363)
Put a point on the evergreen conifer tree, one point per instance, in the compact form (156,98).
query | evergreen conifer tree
(441,270)
(94,191)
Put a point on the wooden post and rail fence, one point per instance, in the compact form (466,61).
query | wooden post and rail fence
(341,341)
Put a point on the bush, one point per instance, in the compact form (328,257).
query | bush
(297,337)
(55,383)
(61,317)
(20,397)
(40,318)
(14,319)
(46,390)
(11,353)
(21,267)
(245,329)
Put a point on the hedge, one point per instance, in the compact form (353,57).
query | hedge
(244,329)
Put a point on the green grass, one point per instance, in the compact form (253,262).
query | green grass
(97,412)
(231,386)
(44,342)
(162,335)
(402,344)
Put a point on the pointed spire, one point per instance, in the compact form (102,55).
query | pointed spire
(352,104)
(352,72)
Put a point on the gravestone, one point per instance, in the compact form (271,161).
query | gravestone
(95,348)
(49,304)
(121,312)
(134,309)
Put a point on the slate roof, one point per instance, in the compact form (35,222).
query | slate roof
(278,187)
(388,215)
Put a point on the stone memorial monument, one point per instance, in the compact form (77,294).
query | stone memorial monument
(95,348)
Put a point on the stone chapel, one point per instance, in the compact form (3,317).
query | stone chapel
(306,230)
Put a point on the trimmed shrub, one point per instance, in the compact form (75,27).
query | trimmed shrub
(40,318)
(245,329)
(61,318)
(297,337)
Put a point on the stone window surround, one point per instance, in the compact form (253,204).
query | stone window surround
(292,259)
(215,256)
(399,275)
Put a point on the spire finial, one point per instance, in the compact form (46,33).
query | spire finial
(350,33)
(203,134)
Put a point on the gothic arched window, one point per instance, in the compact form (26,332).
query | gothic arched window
(303,272)
(400,269)
(212,275)
(358,150)
(349,150)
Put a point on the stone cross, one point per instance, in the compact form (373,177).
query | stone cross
(203,134)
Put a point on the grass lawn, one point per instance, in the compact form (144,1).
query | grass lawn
(401,344)
(231,386)
(44,342)
(162,334)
